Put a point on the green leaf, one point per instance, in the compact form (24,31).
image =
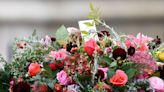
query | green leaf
(91,6)
(113,64)
(88,24)
(130,73)
(107,59)
(51,85)
(48,72)
(110,73)
(91,15)
(84,32)
(62,35)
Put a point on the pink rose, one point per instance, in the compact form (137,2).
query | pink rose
(119,79)
(90,46)
(105,72)
(60,54)
(34,69)
(63,78)
(157,84)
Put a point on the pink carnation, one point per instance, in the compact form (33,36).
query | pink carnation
(157,84)
(63,78)
(60,54)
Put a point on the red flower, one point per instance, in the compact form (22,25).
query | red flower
(39,87)
(119,79)
(34,69)
(53,66)
(90,46)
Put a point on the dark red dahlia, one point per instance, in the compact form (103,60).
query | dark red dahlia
(100,74)
(119,52)
(157,40)
(21,87)
(131,51)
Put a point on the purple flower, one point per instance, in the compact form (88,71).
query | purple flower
(46,40)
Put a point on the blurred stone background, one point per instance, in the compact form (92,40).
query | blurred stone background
(18,18)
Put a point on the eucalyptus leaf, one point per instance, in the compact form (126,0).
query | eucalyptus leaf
(62,35)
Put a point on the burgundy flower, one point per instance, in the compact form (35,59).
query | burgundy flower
(21,87)
(100,74)
(119,52)
(131,50)
(157,40)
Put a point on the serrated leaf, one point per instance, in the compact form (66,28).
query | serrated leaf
(88,24)
(62,35)
(130,73)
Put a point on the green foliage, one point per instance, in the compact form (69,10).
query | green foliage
(107,60)
(138,84)
(131,73)
(4,80)
(94,13)
(111,72)
(130,69)
(34,51)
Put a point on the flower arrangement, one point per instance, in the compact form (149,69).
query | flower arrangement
(68,63)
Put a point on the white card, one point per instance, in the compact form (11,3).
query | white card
(91,29)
